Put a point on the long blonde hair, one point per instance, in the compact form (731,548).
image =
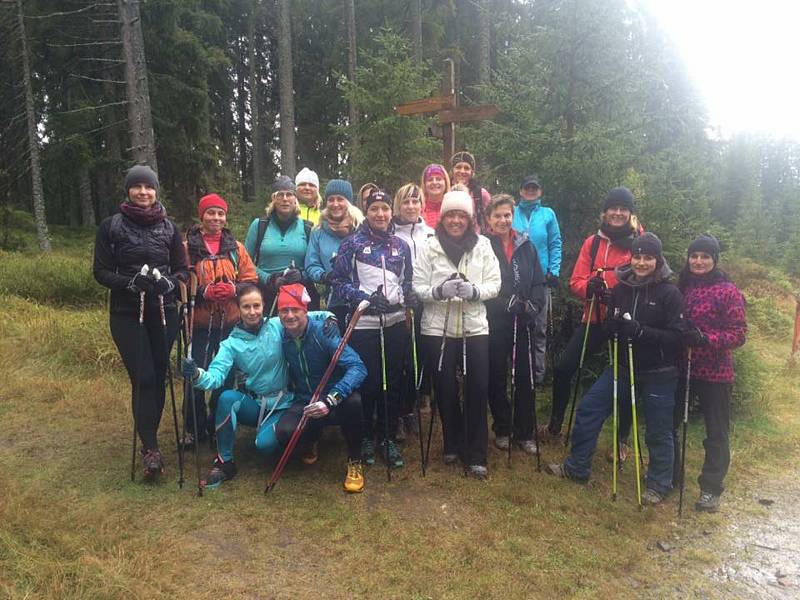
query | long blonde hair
(422,181)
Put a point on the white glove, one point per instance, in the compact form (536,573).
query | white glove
(447,289)
(467,290)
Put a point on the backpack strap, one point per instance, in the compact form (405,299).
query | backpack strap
(262,230)
(593,252)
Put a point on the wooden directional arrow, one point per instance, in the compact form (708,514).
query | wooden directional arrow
(426,105)
(479,112)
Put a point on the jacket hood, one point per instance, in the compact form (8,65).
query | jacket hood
(241,333)
(626,277)
(197,248)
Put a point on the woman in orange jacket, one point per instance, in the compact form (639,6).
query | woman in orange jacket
(220,264)
(593,276)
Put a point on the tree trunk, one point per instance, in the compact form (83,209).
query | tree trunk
(241,112)
(140,119)
(286,89)
(42,233)
(416,29)
(352,63)
(484,8)
(85,193)
(255,121)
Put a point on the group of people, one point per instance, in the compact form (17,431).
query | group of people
(436,289)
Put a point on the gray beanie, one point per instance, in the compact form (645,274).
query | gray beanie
(140,174)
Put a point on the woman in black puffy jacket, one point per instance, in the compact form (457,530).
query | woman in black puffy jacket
(141,234)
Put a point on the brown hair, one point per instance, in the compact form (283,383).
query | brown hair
(497,201)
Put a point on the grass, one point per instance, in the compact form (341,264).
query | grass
(72,525)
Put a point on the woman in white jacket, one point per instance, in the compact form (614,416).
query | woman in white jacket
(454,274)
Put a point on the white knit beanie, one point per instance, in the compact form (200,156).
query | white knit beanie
(306,175)
(457,200)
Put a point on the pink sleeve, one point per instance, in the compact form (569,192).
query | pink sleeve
(486,197)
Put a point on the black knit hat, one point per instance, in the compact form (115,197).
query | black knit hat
(283,184)
(377,196)
(707,243)
(462,156)
(648,243)
(619,196)
(140,174)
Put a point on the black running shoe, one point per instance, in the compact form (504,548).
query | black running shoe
(153,463)
(220,471)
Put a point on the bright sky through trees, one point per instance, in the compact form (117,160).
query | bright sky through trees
(743,57)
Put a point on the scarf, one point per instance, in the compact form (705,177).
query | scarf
(341,228)
(144,217)
(688,279)
(456,248)
(621,237)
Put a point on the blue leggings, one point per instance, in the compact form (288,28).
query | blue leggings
(235,407)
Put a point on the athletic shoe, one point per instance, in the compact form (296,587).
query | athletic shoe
(707,502)
(368,451)
(477,471)
(220,471)
(390,450)
(651,497)
(529,447)
(450,459)
(354,480)
(309,454)
(559,470)
(153,463)
(501,442)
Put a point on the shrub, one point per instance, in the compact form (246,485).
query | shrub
(765,316)
(749,398)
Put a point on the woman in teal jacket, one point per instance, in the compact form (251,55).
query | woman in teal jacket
(253,347)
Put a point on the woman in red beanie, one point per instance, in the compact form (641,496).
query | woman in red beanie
(220,264)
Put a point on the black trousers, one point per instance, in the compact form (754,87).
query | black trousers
(715,404)
(408,390)
(205,345)
(145,353)
(567,366)
(465,431)
(367,343)
(347,415)
(501,341)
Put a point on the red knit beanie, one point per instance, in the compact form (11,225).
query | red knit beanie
(211,201)
(293,296)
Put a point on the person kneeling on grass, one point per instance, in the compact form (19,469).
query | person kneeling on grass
(308,347)
(646,311)
(253,347)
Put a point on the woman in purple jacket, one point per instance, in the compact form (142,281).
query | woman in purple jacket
(715,309)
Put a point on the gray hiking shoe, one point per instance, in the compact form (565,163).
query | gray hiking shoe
(651,497)
(707,502)
(559,470)
(477,471)
(501,442)
(529,447)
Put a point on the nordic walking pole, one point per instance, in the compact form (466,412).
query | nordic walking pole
(685,427)
(290,445)
(385,401)
(634,421)
(513,385)
(580,369)
(533,404)
(464,386)
(615,419)
(437,379)
(138,383)
(187,383)
(157,276)
(417,383)
(183,294)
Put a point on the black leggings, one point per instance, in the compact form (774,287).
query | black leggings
(145,353)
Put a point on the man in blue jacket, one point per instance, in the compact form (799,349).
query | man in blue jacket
(308,347)
(541,225)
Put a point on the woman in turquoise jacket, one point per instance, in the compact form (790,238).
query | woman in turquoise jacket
(253,347)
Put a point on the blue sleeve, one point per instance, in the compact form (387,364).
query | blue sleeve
(354,370)
(314,267)
(218,370)
(250,246)
(343,275)
(554,244)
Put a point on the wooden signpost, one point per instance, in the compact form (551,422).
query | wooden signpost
(448,111)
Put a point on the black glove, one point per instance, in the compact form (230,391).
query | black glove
(288,277)
(163,286)
(378,302)
(516,305)
(411,299)
(552,280)
(696,338)
(595,287)
(629,328)
(611,325)
(142,283)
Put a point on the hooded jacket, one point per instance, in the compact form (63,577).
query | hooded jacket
(541,225)
(232,262)
(522,276)
(323,248)
(717,308)
(309,356)
(433,266)
(658,307)
(413,234)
